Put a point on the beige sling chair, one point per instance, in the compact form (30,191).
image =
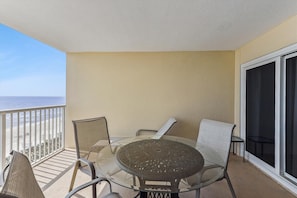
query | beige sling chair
(215,139)
(20,181)
(91,135)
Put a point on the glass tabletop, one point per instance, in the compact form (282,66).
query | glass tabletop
(172,164)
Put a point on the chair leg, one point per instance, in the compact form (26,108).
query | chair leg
(76,167)
(74,175)
(94,191)
(230,185)
(198,193)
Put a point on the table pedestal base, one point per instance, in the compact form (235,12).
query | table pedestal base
(158,195)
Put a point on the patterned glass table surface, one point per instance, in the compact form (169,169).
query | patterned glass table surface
(172,164)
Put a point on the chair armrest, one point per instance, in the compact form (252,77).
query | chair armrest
(197,178)
(85,185)
(80,164)
(91,183)
(89,164)
(212,173)
(145,132)
(210,167)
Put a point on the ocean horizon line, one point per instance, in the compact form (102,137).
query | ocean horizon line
(21,102)
(32,96)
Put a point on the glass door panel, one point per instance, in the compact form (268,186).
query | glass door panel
(291,116)
(260,112)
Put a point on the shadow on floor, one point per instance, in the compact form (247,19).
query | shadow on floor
(247,180)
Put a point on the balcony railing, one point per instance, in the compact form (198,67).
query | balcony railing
(37,132)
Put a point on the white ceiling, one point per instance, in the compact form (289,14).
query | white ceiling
(145,25)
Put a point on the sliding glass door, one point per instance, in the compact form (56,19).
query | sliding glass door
(268,114)
(290,62)
(260,112)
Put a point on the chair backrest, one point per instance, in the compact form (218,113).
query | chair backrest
(216,135)
(90,132)
(165,128)
(20,180)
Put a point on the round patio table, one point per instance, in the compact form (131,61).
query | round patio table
(155,165)
(159,160)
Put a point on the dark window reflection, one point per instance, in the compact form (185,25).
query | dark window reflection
(260,112)
(291,116)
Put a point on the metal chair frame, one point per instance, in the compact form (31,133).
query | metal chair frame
(83,161)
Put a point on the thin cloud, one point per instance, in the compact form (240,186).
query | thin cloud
(41,85)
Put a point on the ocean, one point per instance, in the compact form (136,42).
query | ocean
(21,102)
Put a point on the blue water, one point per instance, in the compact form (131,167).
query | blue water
(21,102)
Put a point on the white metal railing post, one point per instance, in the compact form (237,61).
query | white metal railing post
(56,130)
(18,131)
(48,126)
(35,134)
(24,131)
(3,140)
(30,135)
(40,127)
(44,135)
(11,132)
(63,128)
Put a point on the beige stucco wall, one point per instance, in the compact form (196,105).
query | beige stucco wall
(142,90)
(277,38)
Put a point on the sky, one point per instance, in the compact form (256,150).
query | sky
(29,67)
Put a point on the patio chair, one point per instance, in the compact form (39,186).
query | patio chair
(20,181)
(215,136)
(157,134)
(91,135)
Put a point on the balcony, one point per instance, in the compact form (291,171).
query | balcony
(39,132)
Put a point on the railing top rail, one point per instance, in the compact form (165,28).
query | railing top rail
(30,108)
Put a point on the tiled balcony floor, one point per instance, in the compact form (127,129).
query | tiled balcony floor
(52,169)
(247,180)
